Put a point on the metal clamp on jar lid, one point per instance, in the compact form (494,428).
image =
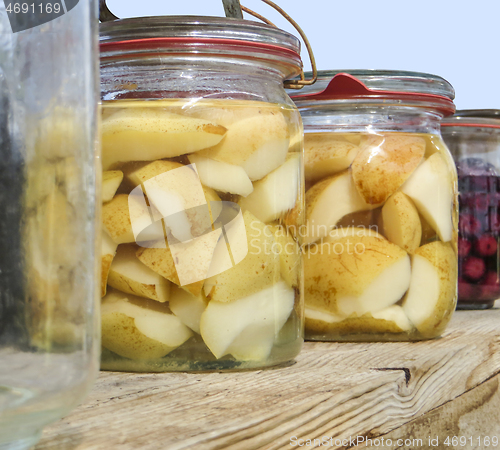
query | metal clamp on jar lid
(208,36)
(379,87)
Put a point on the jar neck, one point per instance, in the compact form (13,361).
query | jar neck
(191,77)
(387,118)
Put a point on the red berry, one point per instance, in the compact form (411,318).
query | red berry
(463,247)
(466,290)
(491,279)
(473,268)
(486,245)
(469,225)
(494,222)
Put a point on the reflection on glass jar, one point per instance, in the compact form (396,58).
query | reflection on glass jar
(201,181)
(473,137)
(380,235)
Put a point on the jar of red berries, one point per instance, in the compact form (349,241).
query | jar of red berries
(473,137)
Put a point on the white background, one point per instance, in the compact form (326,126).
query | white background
(456,39)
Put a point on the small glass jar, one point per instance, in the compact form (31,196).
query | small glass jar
(202,173)
(473,137)
(381,207)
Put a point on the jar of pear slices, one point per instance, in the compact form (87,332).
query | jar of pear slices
(202,192)
(380,233)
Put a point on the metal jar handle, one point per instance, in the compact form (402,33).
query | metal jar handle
(233,8)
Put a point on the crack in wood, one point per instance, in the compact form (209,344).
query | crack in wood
(404,369)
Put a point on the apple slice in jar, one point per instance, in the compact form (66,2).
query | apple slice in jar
(328,201)
(431,189)
(129,275)
(432,295)
(384,163)
(139,328)
(246,328)
(147,134)
(276,193)
(326,155)
(355,272)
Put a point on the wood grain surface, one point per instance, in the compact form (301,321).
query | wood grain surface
(339,391)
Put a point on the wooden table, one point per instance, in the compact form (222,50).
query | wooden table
(447,387)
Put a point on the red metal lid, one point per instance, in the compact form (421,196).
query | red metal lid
(344,86)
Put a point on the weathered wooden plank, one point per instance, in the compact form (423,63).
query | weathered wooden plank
(335,390)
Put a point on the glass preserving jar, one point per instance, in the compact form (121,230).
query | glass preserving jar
(202,160)
(49,220)
(473,137)
(381,207)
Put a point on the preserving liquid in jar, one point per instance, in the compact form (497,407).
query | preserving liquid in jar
(201,265)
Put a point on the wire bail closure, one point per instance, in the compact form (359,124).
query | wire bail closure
(233,8)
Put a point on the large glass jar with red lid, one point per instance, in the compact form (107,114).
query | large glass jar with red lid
(381,207)
(473,137)
(202,173)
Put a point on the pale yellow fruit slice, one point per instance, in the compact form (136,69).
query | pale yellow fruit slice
(384,163)
(258,142)
(290,255)
(108,251)
(432,296)
(147,134)
(126,217)
(276,193)
(401,222)
(187,307)
(258,269)
(140,328)
(329,201)
(431,189)
(222,176)
(129,275)
(246,328)
(354,274)
(177,193)
(326,154)
(111,180)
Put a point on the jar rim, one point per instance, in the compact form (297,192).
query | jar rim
(477,118)
(200,35)
(379,86)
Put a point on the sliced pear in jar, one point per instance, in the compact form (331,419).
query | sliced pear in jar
(326,155)
(432,295)
(222,176)
(129,275)
(431,189)
(188,307)
(389,320)
(111,180)
(139,328)
(401,222)
(108,251)
(246,328)
(289,254)
(329,201)
(147,134)
(276,193)
(257,140)
(355,273)
(384,163)
(256,270)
